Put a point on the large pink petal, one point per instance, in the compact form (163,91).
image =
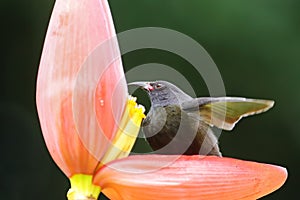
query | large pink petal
(188,177)
(76,80)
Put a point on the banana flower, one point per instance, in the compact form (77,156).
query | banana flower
(90,124)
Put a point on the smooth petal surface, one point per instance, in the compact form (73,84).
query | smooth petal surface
(188,177)
(77,82)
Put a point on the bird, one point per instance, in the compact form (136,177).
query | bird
(177,123)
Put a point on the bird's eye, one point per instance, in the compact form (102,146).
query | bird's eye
(157,86)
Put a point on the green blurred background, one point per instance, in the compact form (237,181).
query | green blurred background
(255,44)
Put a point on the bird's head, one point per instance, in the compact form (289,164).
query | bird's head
(162,93)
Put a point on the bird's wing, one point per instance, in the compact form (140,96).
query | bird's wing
(224,112)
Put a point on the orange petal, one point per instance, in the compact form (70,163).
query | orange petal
(77,82)
(188,177)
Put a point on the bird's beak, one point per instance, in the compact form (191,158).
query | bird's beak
(145,85)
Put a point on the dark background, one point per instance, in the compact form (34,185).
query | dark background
(255,44)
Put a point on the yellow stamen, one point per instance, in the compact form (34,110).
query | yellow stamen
(127,133)
(82,188)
